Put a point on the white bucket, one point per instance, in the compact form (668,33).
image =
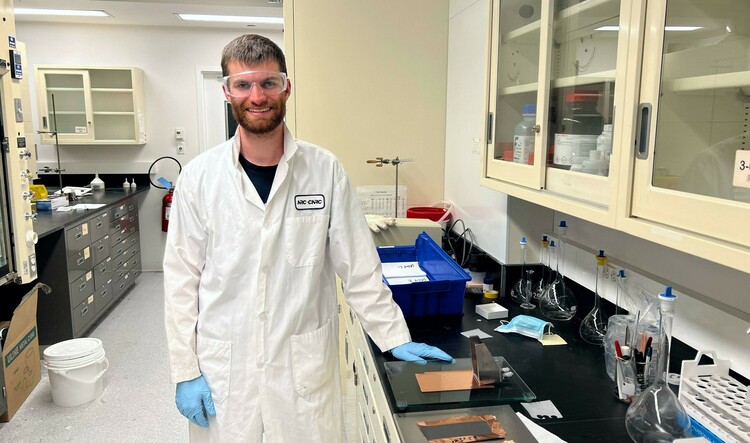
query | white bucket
(76,368)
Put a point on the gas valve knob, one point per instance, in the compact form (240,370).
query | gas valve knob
(25,155)
(26,173)
(30,216)
(27,195)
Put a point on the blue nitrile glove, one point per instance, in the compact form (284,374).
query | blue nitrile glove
(417,351)
(193,399)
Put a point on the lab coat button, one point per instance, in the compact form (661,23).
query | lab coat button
(260,365)
(263,316)
(267,225)
(265,269)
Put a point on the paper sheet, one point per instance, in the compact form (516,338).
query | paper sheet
(393,281)
(80,207)
(552,340)
(403,269)
(542,435)
(478,332)
(542,409)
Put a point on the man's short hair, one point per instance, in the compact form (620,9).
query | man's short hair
(250,49)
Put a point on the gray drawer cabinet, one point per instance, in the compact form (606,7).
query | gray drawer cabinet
(89,265)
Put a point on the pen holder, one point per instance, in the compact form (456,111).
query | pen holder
(616,330)
(627,386)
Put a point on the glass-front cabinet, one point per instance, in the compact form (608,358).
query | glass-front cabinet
(65,105)
(553,91)
(91,105)
(693,122)
(630,114)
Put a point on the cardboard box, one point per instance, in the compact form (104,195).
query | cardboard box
(21,368)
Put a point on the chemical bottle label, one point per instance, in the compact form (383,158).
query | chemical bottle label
(523,145)
(572,149)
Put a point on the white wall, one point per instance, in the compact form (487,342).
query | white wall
(169,58)
(713,311)
(481,209)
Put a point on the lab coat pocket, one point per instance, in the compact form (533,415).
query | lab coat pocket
(305,239)
(215,360)
(313,358)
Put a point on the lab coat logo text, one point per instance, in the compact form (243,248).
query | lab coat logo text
(309,201)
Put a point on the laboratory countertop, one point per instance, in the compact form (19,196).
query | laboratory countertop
(50,221)
(572,376)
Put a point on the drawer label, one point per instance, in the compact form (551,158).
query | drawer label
(86,253)
(85,229)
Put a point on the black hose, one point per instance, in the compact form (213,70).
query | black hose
(152,166)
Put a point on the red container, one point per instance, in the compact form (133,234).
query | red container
(428,212)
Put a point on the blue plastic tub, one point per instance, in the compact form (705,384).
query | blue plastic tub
(443,294)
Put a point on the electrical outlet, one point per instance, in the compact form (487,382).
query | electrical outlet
(180,148)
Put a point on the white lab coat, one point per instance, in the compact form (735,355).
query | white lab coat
(250,297)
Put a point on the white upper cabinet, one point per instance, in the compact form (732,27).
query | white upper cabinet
(672,77)
(557,71)
(693,128)
(85,105)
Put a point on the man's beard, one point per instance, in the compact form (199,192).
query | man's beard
(260,127)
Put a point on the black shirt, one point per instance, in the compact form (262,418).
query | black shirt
(261,176)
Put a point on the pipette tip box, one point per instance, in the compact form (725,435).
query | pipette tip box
(491,311)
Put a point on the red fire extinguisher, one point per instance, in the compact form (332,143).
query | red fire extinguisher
(166,202)
(166,207)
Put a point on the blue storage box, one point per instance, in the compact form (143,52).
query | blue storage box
(442,294)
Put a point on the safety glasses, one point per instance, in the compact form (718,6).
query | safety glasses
(241,84)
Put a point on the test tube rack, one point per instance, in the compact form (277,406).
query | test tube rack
(714,399)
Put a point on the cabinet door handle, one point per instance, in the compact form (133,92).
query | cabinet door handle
(100,248)
(104,293)
(82,287)
(80,261)
(643,131)
(78,235)
(84,311)
(44,122)
(98,225)
(490,122)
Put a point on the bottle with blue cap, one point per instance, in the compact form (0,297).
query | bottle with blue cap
(522,290)
(657,415)
(558,302)
(594,325)
(523,135)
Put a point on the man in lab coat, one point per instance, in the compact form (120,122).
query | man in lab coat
(259,227)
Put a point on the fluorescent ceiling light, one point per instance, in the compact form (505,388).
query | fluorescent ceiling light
(668,28)
(61,12)
(231,19)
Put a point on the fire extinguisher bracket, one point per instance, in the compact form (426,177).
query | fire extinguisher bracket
(166,201)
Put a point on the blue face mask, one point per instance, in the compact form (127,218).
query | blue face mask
(525,325)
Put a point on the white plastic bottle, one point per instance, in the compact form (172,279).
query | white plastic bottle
(604,141)
(523,135)
(604,145)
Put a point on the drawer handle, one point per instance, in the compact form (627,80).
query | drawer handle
(80,261)
(82,287)
(130,207)
(102,271)
(84,311)
(100,248)
(122,285)
(132,218)
(104,293)
(117,227)
(78,235)
(98,225)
